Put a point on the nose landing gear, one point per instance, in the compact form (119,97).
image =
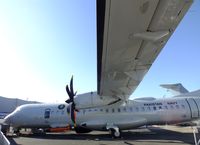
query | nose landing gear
(115,133)
(114,130)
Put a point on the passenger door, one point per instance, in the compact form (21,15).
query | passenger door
(47,115)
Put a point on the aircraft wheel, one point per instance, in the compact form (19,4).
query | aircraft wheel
(115,134)
(38,131)
(17,131)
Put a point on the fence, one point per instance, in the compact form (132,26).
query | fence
(3,139)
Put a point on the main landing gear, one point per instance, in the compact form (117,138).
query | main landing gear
(17,131)
(114,130)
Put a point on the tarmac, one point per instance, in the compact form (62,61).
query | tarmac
(156,135)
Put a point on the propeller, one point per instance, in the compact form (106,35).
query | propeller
(71,94)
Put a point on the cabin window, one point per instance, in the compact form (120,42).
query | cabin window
(160,107)
(113,110)
(47,113)
(106,110)
(154,107)
(101,110)
(119,110)
(131,109)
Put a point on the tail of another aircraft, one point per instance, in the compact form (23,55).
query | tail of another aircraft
(179,91)
(176,89)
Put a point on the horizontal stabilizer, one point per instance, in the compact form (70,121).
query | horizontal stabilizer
(191,94)
(176,89)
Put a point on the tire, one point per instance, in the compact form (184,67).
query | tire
(115,134)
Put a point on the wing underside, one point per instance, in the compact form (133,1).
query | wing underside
(130,35)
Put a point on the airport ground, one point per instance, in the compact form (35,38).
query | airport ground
(157,135)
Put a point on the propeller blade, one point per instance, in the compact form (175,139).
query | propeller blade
(68,91)
(71,86)
(75,93)
(68,101)
(73,118)
(71,97)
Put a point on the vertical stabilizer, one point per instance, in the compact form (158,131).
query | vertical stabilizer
(176,89)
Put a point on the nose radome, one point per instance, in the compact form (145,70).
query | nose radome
(7,119)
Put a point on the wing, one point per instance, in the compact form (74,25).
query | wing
(130,35)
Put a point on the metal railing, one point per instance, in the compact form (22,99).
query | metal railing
(3,139)
(195,133)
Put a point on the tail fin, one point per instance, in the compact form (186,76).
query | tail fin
(176,89)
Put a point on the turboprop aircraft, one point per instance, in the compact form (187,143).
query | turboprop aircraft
(130,35)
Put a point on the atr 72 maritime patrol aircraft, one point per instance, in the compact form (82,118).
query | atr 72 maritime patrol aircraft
(130,35)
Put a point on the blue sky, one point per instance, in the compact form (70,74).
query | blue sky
(44,43)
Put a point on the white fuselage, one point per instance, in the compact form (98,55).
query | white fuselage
(126,116)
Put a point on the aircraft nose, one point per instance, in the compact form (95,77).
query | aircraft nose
(8,119)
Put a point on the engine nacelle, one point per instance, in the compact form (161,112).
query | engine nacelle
(92,99)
